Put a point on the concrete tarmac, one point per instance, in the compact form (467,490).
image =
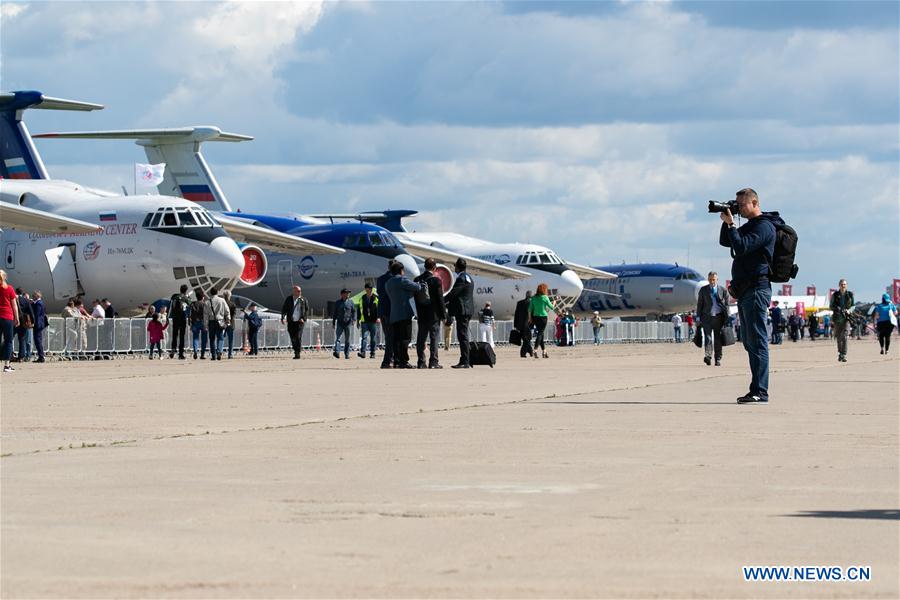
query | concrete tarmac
(618,471)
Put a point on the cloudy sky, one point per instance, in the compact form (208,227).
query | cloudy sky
(598,129)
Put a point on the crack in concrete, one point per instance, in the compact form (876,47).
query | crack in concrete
(400,414)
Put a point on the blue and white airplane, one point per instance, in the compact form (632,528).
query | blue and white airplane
(651,289)
(365,247)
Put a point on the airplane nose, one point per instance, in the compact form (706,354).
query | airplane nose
(571,285)
(226,260)
(409,265)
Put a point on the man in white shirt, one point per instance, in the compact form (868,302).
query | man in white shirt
(676,323)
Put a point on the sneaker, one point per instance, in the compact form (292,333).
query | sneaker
(762,399)
(8,369)
(361,354)
(336,354)
(195,356)
(420,365)
(718,363)
(707,360)
(748,397)
(371,356)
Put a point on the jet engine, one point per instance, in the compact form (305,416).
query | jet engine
(446,275)
(255,265)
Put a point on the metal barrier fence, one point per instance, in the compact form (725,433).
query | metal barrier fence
(87,337)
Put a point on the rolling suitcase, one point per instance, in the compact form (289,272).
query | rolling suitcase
(481,353)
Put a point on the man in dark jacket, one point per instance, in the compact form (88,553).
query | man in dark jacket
(520,323)
(842,303)
(461,306)
(367,321)
(179,311)
(40,323)
(431,315)
(342,320)
(712,310)
(294,311)
(752,247)
(400,289)
(384,314)
(25,330)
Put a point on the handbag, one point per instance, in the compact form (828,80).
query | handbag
(515,337)
(728,337)
(698,337)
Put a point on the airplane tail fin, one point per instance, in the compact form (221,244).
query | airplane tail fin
(391,219)
(19,159)
(187,174)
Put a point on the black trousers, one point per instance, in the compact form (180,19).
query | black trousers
(402,336)
(430,332)
(526,349)
(540,326)
(388,330)
(178,331)
(885,328)
(462,336)
(295,332)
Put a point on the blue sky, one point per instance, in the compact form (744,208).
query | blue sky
(599,129)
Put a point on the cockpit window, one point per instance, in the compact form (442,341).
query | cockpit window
(169,217)
(376,240)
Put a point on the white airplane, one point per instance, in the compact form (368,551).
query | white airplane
(367,246)
(649,290)
(542,264)
(143,248)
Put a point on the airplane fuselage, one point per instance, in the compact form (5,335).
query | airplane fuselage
(642,289)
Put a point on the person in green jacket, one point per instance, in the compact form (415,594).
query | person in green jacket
(537,315)
(842,303)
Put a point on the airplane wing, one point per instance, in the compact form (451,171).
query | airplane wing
(175,135)
(269,239)
(475,266)
(584,272)
(38,221)
(590,291)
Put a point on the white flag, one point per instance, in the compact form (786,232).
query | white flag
(149,174)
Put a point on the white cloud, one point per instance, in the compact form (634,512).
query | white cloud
(10,10)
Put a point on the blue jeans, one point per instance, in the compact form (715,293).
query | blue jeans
(678,334)
(753,307)
(597,335)
(229,337)
(371,330)
(216,338)
(199,336)
(341,329)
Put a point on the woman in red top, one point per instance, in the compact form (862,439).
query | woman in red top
(9,320)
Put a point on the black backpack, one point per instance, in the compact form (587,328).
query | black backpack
(782,267)
(423,296)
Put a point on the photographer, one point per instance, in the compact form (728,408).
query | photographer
(752,247)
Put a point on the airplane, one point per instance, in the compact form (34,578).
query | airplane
(69,240)
(650,290)
(541,264)
(367,246)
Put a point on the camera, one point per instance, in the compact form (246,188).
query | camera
(720,207)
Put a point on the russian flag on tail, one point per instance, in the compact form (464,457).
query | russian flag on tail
(197,193)
(16,168)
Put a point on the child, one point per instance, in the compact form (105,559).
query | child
(254,322)
(155,328)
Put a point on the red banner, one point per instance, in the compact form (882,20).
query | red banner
(810,290)
(896,293)
(800,308)
(786,289)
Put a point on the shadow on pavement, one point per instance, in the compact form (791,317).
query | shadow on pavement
(888,514)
